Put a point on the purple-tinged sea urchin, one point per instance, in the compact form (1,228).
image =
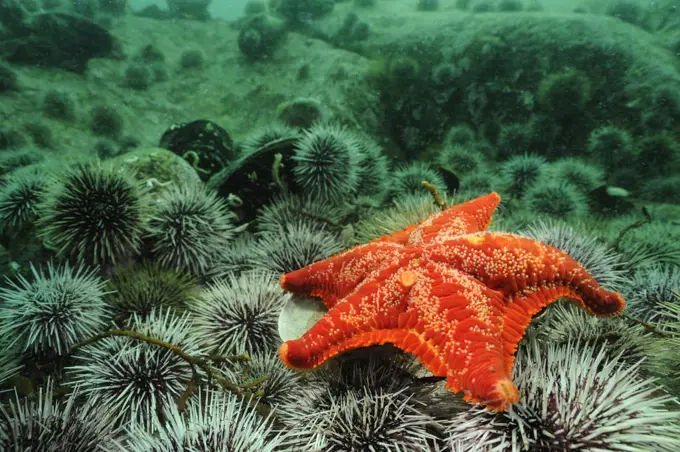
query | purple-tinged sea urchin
(294,246)
(650,289)
(366,402)
(663,354)
(602,261)
(222,422)
(573,399)
(367,421)
(190,227)
(566,322)
(136,381)
(240,314)
(46,424)
(54,310)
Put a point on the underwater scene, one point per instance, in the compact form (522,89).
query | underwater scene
(339,225)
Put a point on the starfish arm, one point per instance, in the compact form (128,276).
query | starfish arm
(461,321)
(521,309)
(400,236)
(517,266)
(333,278)
(357,320)
(469,217)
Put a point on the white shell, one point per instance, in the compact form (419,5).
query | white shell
(299,315)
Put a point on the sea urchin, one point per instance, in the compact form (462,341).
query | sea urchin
(240,314)
(190,227)
(54,310)
(94,214)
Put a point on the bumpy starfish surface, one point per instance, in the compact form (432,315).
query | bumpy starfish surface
(455,296)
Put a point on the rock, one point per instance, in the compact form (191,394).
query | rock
(13,17)
(242,101)
(157,168)
(617,192)
(260,37)
(153,12)
(59,40)
(114,7)
(189,9)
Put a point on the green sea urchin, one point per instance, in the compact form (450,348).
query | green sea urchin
(10,364)
(521,172)
(326,162)
(292,209)
(581,174)
(235,260)
(273,133)
(610,145)
(19,200)
(142,288)
(556,199)
(94,214)
(404,211)
(462,159)
(373,169)
(282,385)
(294,246)
(408,179)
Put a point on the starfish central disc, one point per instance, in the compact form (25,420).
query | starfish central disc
(457,297)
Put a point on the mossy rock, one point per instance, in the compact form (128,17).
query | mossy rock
(157,168)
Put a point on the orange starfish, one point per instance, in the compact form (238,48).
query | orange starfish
(458,298)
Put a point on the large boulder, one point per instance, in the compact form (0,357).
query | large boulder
(58,40)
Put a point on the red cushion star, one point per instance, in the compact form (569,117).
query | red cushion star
(455,296)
